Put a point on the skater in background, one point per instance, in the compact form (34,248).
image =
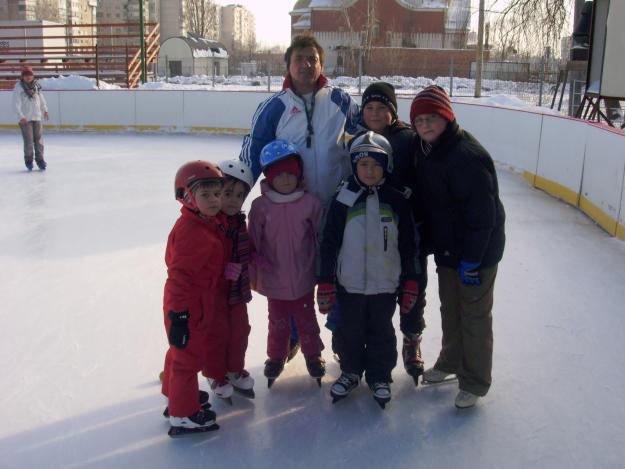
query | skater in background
(368,252)
(311,114)
(30,107)
(464,227)
(229,326)
(283,225)
(196,259)
(379,114)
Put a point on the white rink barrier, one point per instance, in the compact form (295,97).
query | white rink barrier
(579,162)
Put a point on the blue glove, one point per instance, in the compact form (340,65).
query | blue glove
(469,275)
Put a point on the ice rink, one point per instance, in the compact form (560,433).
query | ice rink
(82,339)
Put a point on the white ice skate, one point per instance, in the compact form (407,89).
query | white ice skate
(434,376)
(465,399)
(222,389)
(242,383)
(200,422)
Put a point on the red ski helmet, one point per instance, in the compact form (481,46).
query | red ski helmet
(191,174)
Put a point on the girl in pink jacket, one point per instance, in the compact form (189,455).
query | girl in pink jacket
(283,224)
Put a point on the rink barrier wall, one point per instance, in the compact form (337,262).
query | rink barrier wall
(581,163)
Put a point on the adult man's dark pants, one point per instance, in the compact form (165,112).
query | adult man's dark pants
(467,323)
(31,133)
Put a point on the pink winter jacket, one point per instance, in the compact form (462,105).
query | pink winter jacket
(283,230)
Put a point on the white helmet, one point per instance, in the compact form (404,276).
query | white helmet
(238,170)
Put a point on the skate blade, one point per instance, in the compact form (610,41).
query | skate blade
(337,398)
(178,432)
(270,382)
(382,402)
(450,379)
(318,381)
(249,393)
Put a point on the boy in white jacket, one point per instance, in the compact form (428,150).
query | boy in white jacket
(30,106)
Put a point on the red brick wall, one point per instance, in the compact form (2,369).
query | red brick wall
(391,17)
(429,63)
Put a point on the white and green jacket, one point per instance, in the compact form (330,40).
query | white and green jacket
(368,243)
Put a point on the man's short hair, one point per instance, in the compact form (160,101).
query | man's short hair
(301,42)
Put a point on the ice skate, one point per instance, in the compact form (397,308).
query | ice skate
(222,389)
(293,349)
(242,383)
(316,368)
(29,166)
(381,392)
(411,354)
(203,399)
(434,376)
(273,370)
(42,165)
(465,399)
(343,386)
(200,422)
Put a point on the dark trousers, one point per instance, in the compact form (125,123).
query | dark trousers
(366,335)
(31,133)
(413,322)
(467,322)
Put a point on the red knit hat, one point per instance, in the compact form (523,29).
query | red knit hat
(27,71)
(290,164)
(432,100)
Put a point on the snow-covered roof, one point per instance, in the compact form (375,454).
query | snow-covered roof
(202,47)
(331,4)
(458,15)
(423,4)
(303,22)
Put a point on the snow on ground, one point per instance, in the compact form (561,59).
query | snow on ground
(496,92)
(82,340)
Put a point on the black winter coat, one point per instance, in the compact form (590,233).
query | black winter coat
(459,200)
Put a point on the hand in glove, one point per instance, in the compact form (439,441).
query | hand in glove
(326,297)
(409,295)
(233,271)
(469,275)
(179,330)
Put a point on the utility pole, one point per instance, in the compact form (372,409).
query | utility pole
(142,42)
(479,58)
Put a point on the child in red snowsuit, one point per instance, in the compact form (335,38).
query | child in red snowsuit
(230,327)
(196,260)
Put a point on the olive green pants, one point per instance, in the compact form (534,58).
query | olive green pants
(467,323)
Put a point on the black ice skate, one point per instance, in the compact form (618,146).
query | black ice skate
(200,422)
(381,392)
(42,165)
(293,349)
(273,370)
(204,404)
(316,368)
(411,354)
(341,388)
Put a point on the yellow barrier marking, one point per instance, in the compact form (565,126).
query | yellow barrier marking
(604,220)
(557,190)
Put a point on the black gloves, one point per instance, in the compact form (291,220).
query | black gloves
(179,329)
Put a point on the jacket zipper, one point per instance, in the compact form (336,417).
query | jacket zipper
(385,238)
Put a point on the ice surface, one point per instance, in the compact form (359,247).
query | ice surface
(82,340)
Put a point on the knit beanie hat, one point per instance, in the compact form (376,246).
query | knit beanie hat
(291,164)
(432,100)
(382,92)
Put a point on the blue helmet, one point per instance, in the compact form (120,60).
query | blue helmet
(374,145)
(275,151)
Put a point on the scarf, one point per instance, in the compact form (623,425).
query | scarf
(31,89)
(239,290)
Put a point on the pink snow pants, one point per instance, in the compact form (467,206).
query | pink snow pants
(303,312)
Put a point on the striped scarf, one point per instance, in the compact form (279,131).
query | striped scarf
(239,290)
(31,89)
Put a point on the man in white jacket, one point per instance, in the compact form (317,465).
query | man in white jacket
(310,114)
(30,106)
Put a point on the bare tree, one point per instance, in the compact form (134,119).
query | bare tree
(531,25)
(202,18)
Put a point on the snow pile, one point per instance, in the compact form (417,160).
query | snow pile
(75,82)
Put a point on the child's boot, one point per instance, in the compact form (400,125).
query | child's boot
(222,389)
(341,388)
(273,370)
(411,354)
(381,392)
(316,368)
(242,383)
(201,421)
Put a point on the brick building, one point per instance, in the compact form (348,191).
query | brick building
(394,37)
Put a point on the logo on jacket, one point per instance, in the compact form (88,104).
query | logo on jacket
(295,110)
